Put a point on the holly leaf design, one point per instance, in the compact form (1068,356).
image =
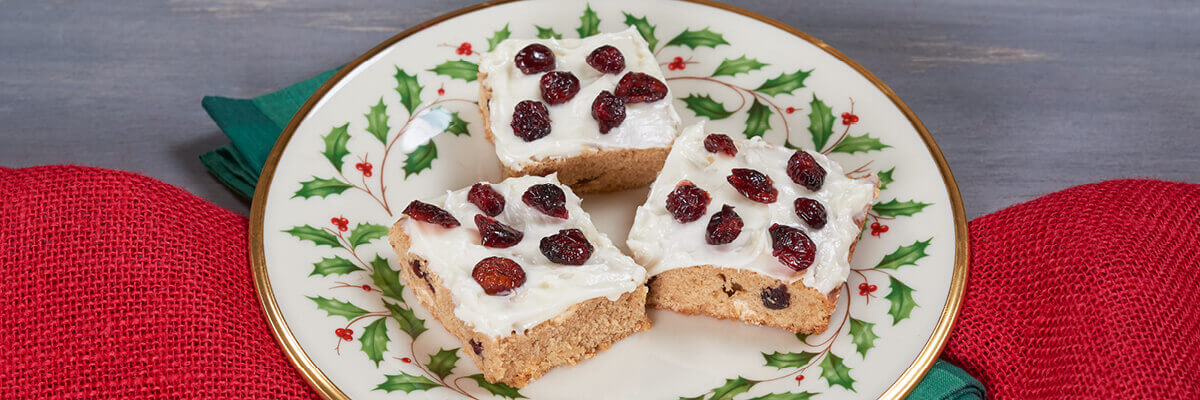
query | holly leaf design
(334,266)
(408,320)
(386,278)
(885,178)
(758,119)
(321,187)
(458,69)
(497,37)
(458,126)
(643,28)
(863,335)
(409,89)
(377,121)
(853,144)
(405,382)
(335,145)
(442,363)
(788,360)
(905,255)
(497,389)
(420,159)
(895,208)
(820,122)
(705,106)
(786,396)
(589,23)
(547,33)
(734,66)
(834,370)
(364,233)
(335,307)
(374,340)
(902,300)
(732,387)
(318,236)
(784,83)
(695,39)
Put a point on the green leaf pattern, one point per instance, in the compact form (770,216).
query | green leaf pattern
(420,159)
(377,121)
(498,37)
(321,187)
(732,67)
(697,39)
(705,106)
(335,145)
(643,28)
(458,69)
(589,23)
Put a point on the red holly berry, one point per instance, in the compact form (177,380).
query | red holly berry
(677,63)
(719,143)
(547,198)
(335,221)
(534,58)
(804,170)
(753,184)
(406,360)
(441,91)
(791,110)
(878,229)
(486,198)
(849,119)
(636,87)
(498,275)
(607,59)
(366,288)
(687,202)
(531,120)
(365,167)
(430,213)
(464,49)
(344,334)
(495,234)
(799,378)
(567,247)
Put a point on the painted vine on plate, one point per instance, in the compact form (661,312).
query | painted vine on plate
(763,103)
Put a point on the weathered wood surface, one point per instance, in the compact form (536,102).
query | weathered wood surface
(1024,97)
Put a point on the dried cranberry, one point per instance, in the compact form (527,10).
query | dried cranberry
(636,87)
(608,110)
(487,199)
(792,247)
(534,58)
(476,347)
(811,212)
(547,198)
(496,234)
(776,298)
(606,59)
(416,268)
(804,170)
(498,275)
(687,202)
(723,227)
(753,184)
(568,247)
(430,213)
(718,143)
(558,87)
(531,120)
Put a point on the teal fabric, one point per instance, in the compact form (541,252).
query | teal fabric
(252,126)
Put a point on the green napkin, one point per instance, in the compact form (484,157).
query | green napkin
(252,126)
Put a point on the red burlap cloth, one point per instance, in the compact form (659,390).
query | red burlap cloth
(119,286)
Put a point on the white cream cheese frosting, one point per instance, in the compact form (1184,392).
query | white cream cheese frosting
(661,243)
(573,131)
(549,289)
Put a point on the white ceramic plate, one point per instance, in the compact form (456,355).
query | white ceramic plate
(348,325)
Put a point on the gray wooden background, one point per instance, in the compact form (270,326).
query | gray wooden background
(1025,96)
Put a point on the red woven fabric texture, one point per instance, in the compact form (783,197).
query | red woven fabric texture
(1090,292)
(119,286)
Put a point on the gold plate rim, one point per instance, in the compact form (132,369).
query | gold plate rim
(323,385)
